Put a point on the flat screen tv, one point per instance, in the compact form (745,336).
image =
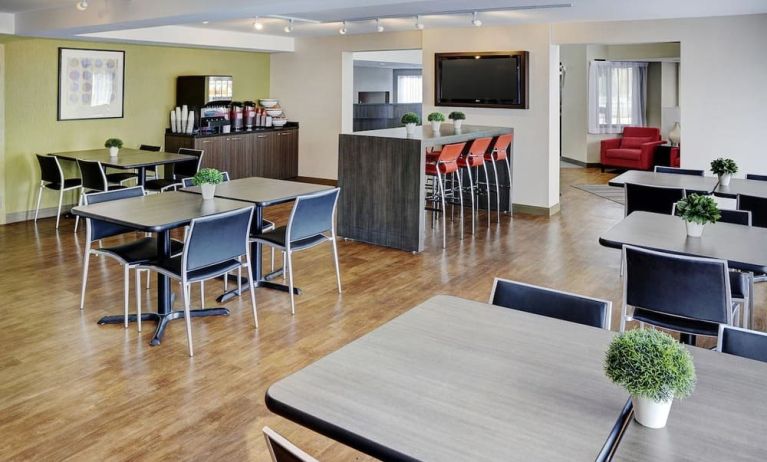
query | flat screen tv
(487,79)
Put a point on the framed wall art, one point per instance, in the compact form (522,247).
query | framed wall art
(91,84)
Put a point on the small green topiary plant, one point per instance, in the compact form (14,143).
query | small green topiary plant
(698,208)
(436,117)
(113,143)
(457,115)
(723,166)
(207,176)
(410,118)
(650,364)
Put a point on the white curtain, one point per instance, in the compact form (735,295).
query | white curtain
(617,95)
(409,89)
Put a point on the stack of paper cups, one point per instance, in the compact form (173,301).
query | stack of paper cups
(173,126)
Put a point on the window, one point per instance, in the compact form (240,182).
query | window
(617,95)
(409,89)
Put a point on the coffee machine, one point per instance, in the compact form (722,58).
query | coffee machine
(209,97)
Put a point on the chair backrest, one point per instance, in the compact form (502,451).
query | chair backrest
(757,206)
(502,142)
(742,342)
(753,176)
(552,303)
(677,285)
(451,152)
(652,132)
(479,146)
(188,168)
(737,217)
(283,450)
(313,214)
(216,239)
(656,199)
(98,229)
(678,171)
(50,169)
(149,147)
(92,174)
(187,182)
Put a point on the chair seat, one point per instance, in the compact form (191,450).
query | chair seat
(68,183)
(624,153)
(159,184)
(172,266)
(277,238)
(738,284)
(444,168)
(140,251)
(470,161)
(495,155)
(119,177)
(676,323)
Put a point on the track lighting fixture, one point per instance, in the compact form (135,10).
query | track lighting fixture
(342,30)
(475,20)
(289,28)
(418,23)
(257,24)
(379,26)
(82,5)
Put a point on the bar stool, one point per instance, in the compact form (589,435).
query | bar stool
(446,163)
(499,151)
(475,157)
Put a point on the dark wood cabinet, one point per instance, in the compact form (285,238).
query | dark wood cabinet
(265,153)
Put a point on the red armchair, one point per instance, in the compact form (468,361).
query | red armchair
(635,150)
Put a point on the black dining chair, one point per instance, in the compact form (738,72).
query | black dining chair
(149,172)
(213,247)
(754,176)
(94,180)
(757,206)
(655,199)
(188,182)
(52,177)
(128,254)
(742,342)
(283,450)
(311,223)
(736,217)
(678,171)
(179,171)
(551,303)
(689,295)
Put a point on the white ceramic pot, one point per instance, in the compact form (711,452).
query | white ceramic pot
(675,134)
(694,229)
(113,151)
(208,190)
(410,129)
(435,126)
(724,180)
(457,124)
(651,414)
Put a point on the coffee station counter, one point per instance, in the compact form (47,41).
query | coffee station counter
(287,126)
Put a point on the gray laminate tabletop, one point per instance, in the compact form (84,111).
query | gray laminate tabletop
(744,247)
(458,380)
(263,191)
(126,158)
(157,212)
(669,180)
(741,186)
(447,133)
(725,419)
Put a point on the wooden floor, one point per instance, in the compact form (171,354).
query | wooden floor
(73,390)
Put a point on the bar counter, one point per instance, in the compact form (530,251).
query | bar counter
(383,184)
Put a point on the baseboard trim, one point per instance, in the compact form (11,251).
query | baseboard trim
(535,210)
(28,215)
(580,163)
(313,180)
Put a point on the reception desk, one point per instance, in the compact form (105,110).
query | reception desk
(383,184)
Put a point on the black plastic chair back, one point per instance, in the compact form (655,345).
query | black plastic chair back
(737,217)
(50,169)
(187,182)
(655,199)
(688,287)
(149,147)
(753,176)
(188,168)
(98,229)
(551,303)
(92,174)
(678,171)
(217,238)
(741,342)
(312,215)
(757,206)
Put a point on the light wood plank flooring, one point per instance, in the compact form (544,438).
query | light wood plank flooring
(73,390)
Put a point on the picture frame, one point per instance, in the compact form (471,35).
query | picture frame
(91,84)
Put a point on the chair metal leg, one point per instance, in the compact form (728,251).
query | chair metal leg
(138,299)
(86,261)
(487,189)
(79,202)
(442,199)
(471,195)
(239,278)
(226,282)
(290,283)
(148,279)
(284,274)
(188,317)
(39,196)
(126,292)
(460,200)
(335,261)
(58,211)
(272,259)
(497,191)
(508,170)
(202,294)
(252,290)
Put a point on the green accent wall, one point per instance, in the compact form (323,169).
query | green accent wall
(31,82)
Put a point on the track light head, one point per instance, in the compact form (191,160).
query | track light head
(475,20)
(82,5)
(379,26)
(342,30)
(289,27)
(418,23)
(258,25)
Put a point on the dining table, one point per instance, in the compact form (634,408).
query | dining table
(747,187)
(705,184)
(263,193)
(159,213)
(127,159)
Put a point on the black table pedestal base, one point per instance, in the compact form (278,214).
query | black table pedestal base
(265,283)
(163,320)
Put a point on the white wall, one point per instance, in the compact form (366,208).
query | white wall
(574,102)
(373,79)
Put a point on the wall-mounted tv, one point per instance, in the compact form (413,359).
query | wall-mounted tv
(486,79)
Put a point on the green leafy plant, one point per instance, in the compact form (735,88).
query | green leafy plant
(650,364)
(457,115)
(723,166)
(698,209)
(207,176)
(436,117)
(113,143)
(410,118)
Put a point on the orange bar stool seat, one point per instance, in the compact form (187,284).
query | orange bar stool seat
(443,163)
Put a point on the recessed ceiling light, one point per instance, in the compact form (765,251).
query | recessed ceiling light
(418,23)
(342,30)
(289,28)
(475,20)
(82,5)
(257,24)
(379,26)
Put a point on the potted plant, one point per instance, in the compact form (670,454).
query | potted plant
(697,210)
(457,117)
(410,119)
(207,179)
(654,368)
(724,169)
(114,145)
(436,118)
